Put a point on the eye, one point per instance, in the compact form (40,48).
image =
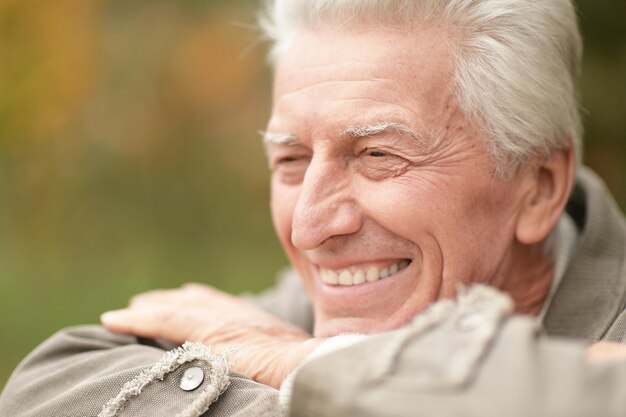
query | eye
(378,164)
(376,153)
(282,160)
(290,168)
(289,159)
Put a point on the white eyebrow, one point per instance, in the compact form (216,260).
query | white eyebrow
(278,138)
(356,131)
(363,131)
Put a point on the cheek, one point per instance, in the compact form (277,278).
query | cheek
(451,209)
(404,206)
(453,225)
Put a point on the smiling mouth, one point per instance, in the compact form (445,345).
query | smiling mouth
(361,276)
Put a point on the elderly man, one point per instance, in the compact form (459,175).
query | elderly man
(423,155)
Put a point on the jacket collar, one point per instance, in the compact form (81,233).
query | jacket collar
(593,291)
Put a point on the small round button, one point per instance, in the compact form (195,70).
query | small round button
(192,379)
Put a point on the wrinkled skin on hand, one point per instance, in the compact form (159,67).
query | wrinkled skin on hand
(268,347)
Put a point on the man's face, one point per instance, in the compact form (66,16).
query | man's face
(383,195)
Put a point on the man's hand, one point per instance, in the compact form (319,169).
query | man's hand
(604,352)
(269,348)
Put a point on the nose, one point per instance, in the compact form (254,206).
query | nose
(326,206)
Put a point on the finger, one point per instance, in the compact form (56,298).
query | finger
(189,294)
(195,287)
(150,296)
(115,321)
(199,294)
(161,322)
(605,352)
(175,297)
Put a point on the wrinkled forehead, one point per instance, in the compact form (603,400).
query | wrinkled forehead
(363,76)
(423,53)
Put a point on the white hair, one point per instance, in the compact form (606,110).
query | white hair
(516,66)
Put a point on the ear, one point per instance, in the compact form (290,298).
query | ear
(550,185)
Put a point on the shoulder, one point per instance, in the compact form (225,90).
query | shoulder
(470,357)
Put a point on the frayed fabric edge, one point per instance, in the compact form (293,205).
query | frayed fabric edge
(446,317)
(473,323)
(218,379)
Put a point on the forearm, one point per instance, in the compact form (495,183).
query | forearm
(89,371)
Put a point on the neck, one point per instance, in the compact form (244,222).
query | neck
(528,278)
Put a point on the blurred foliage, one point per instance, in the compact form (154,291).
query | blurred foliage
(129,158)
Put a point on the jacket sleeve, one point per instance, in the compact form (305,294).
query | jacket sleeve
(88,372)
(469,358)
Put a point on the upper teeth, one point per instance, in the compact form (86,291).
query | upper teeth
(346,277)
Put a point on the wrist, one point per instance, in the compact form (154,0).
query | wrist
(291,358)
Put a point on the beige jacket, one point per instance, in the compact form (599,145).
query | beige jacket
(469,358)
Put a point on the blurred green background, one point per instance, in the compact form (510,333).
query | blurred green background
(130,159)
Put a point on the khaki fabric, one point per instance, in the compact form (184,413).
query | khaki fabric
(591,297)
(422,373)
(469,358)
(77,372)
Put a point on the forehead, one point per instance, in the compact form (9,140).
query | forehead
(360,76)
